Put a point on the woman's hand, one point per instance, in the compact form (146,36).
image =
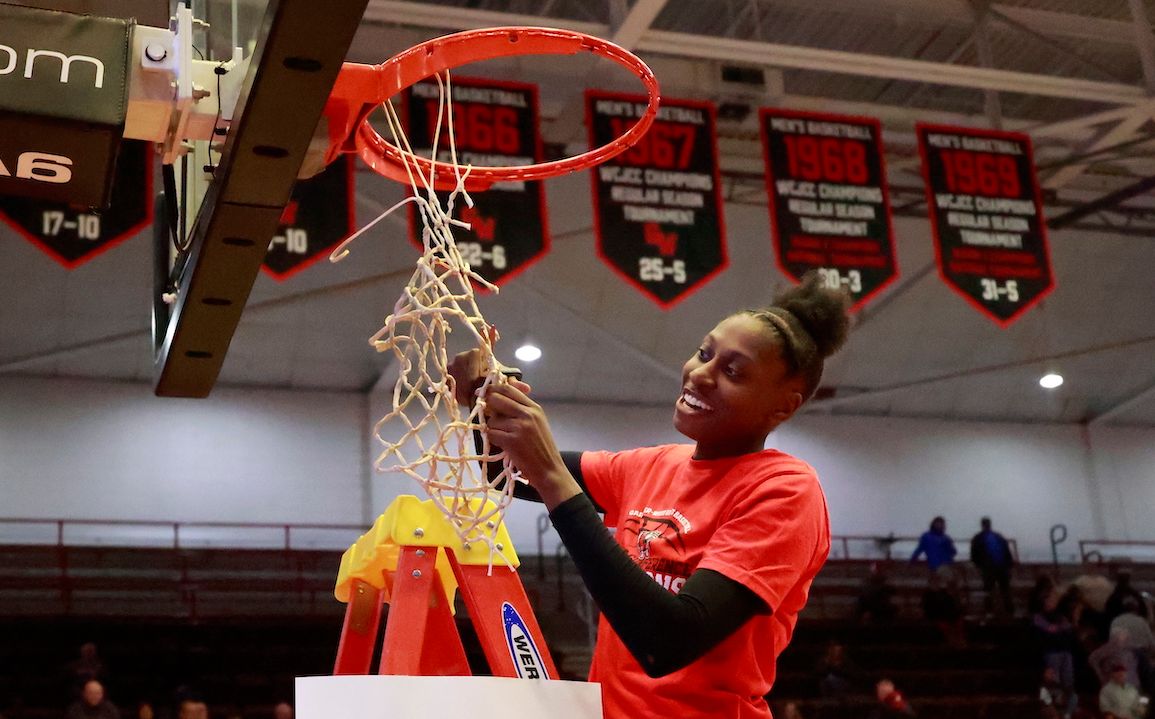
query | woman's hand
(519,426)
(467,370)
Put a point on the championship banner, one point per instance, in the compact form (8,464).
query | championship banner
(320,214)
(494,124)
(987,216)
(658,205)
(829,202)
(74,236)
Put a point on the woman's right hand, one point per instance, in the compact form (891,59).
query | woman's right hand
(468,372)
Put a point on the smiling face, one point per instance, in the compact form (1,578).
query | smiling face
(736,388)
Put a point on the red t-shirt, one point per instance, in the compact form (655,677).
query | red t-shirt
(759,519)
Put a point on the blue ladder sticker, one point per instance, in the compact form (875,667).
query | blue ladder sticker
(526,658)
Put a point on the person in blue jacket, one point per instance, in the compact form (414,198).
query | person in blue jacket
(936,544)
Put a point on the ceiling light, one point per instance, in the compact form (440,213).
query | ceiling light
(528,353)
(1051,380)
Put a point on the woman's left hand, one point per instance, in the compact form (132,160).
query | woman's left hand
(519,426)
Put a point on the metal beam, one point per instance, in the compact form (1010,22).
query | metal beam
(786,56)
(1144,41)
(860,64)
(1122,132)
(301,46)
(637,22)
(1062,48)
(992,105)
(1069,25)
(957,13)
(1065,128)
(1106,202)
(416,14)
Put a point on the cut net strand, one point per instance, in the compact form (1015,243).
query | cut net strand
(425,434)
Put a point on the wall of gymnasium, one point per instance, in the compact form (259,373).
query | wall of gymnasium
(98,450)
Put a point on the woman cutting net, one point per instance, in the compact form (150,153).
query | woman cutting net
(717,541)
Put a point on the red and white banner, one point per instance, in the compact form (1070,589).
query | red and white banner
(494,124)
(658,206)
(74,236)
(829,201)
(986,210)
(320,215)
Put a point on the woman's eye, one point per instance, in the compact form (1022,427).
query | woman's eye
(703,354)
(731,371)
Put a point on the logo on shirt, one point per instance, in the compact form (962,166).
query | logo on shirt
(650,533)
(658,545)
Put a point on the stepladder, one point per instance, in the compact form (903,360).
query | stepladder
(413,561)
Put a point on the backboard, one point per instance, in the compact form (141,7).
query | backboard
(222,210)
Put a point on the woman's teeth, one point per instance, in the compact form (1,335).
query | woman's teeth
(694,401)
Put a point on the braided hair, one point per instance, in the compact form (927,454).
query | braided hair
(812,322)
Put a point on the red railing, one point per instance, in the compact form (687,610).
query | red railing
(176,535)
(157,533)
(887,547)
(1101,551)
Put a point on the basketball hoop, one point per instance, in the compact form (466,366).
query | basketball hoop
(361,88)
(425,434)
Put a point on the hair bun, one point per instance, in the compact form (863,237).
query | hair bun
(821,311)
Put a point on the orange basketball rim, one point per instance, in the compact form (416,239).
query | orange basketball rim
(361,88)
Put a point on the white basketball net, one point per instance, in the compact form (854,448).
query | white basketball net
(425,434)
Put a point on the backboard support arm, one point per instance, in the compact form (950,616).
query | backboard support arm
(301,47)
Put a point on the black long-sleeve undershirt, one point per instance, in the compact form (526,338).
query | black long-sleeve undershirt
(663,631)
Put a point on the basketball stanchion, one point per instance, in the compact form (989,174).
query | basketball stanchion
(414,561)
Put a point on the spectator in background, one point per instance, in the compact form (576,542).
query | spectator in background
(1140,643)
(283,710)
(891,703)
(1057,702)
(942,607)
(1124,593)
(876,602)
(86,667)
(791,711)
(1040,593)
(1120,700)
(991,554)
(1137,627)
(192,707)
(937,545)
(837,674)
(1095,590)
(92,704)
(1116,652)
(1055,636)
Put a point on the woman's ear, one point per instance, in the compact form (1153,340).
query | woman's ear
(793,402)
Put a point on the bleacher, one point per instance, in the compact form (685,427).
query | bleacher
(239,624)
(151,582)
